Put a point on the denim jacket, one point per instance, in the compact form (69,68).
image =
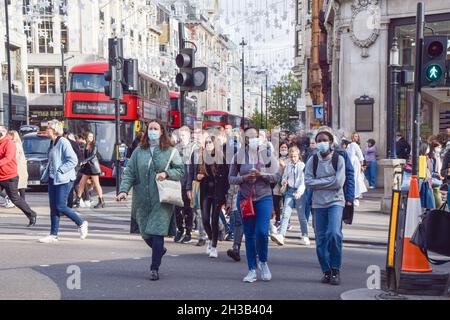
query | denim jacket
(64,159)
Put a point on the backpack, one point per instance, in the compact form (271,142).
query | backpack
(334,162)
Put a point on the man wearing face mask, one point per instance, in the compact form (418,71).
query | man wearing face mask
(9,177)
(185,215)
(325,175)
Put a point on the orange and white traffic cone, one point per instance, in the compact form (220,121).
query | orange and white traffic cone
(413,259)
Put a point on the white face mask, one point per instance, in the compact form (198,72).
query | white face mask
(438,150)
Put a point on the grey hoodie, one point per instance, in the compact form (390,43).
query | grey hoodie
(328,185)
(241,166)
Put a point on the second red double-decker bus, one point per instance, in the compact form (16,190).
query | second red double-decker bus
(215,119)
(88,108)
(190,111)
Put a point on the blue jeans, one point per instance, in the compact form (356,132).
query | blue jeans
(371,173)
(238,229)
(157,245)
(328,229)
(232,223)
(306,201)
(290,203)
(58,205)
(256,230)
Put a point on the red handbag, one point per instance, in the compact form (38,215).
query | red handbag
(247,208)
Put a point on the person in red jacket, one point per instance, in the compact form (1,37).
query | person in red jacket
(9,176)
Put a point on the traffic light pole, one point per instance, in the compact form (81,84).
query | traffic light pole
(182,92)
(8,59)
(420,24)
(243,44)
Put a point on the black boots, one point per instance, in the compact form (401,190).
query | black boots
(76,203)
(32,222)
(100,204)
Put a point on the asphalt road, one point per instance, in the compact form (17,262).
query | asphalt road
(115,265)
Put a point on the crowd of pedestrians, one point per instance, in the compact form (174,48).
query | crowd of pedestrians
(236,185)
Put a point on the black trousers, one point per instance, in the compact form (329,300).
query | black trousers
(210,217)
(185,215)
(277,206)
(10,187)
(72,192)
(156,243)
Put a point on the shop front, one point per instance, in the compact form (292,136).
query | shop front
(40,115)
(435,107)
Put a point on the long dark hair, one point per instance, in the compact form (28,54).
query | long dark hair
(89,145)
(164,140)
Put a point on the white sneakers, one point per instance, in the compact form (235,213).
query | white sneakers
(208,247)
(83,229)
(49,239)
(305,241)
(213,253)
(263,269)
(8,203)
(250,277)
(277,238)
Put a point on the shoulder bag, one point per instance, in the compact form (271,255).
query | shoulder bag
(169,190)
(247,208)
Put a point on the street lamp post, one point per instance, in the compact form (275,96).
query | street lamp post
(243,44)
(8,59)
(394,65)
(267,96)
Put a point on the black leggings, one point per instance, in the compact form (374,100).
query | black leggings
(210,218)
(157,245)
(277,206)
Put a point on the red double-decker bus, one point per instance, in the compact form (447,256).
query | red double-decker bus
(88,108)
(190,111)
(215,119)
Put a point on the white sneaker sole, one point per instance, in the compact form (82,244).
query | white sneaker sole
(249,280)
(275,239)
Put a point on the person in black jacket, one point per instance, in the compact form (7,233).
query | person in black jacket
(212,172)
(69,136)
(402,147)
(90,168)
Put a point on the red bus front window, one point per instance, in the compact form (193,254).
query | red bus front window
(87,82)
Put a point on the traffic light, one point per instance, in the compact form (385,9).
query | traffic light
(130,75)
(434,61)
(115,73)
(190,78)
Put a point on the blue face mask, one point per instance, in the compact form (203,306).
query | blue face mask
(323,147)
(284,153)
(254,143)
(154,135)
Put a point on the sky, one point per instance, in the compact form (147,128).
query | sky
(268,28)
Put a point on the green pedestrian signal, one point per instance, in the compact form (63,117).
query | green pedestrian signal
(434,72)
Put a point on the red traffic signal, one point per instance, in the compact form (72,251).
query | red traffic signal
(435,49)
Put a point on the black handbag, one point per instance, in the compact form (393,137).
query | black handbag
(94,165)
(347,215)
(433,234)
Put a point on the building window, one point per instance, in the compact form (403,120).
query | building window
(47,83)
(29,34)
(47,10)
(45,32)
(30,81)
(62,7)
(64,41)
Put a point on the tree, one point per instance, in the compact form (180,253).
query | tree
(256,119)
(283,103)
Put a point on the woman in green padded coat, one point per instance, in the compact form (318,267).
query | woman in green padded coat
(152,216)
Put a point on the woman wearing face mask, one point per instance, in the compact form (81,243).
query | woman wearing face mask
(293,179)
(212,173)
(435,167)
(357,158)
(325,175)
(277,195)
(370,156)
(254,171)
(147,164)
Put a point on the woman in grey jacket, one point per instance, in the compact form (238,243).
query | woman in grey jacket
(60,175)
(325,175)
(254,170)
